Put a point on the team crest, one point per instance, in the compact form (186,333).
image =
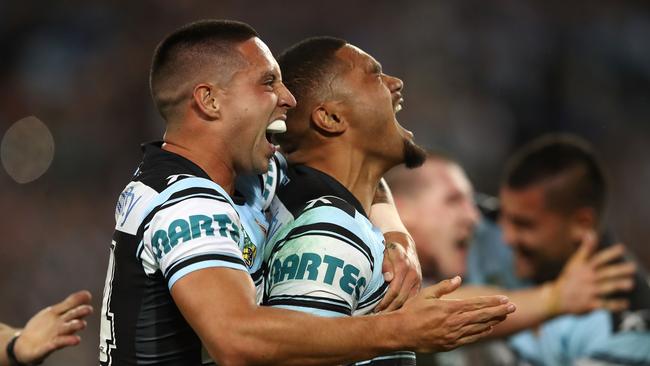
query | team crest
(249,252)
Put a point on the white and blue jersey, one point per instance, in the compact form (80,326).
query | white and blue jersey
(252,198)
(171,220)
(324,256)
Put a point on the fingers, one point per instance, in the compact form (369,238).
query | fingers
(614,305)
(482,302)
(405,289)
(390,296)
(478,327)
(77,313)
(608,255)
(615,271)
(610,287)
(72,301)
(65,341)
(497,313)
(473,338)
(72,326)
(587,247)
(387,267)
(442,288)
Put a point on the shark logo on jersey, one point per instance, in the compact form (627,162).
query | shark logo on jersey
(173,178)
(249,252)
(125,204)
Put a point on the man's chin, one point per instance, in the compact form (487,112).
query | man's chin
(414,155)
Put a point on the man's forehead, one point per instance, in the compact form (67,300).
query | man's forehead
(526,199)
(353,56)
(257,53)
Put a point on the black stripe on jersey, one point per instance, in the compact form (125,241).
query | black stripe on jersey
(313,302)
(201,258)
(345,235)
(258,275)
(196,190)
(333,201)
(377,295)
(207,193)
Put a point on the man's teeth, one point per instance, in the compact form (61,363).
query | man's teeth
(277,126)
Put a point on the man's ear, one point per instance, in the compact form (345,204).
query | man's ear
(328,119)
(206,100)
(582,220)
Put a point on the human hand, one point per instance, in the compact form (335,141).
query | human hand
(401,268)
(53,328)
(443,324)
(588,278)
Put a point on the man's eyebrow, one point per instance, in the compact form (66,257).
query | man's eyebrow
(375,67)
(269,73)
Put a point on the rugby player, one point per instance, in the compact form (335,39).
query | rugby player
(441,193)
(177,279)
(553,194)
(326,257)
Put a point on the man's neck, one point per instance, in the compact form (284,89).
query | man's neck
(350,167)
(217,169)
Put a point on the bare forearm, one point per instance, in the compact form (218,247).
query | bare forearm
(290,338)
(534,307)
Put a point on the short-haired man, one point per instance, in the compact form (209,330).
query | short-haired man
(436,203)
(178,279)
(342,137)
(553,193)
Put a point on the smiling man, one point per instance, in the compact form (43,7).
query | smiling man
(179,288)
(553,194)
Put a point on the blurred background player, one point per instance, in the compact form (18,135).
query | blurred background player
(49,330)
(553,194)
(436,203)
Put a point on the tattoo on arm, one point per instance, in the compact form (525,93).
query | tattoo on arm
(381,194)
(391,245)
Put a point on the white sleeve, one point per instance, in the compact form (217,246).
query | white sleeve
(192,233)
(319,267)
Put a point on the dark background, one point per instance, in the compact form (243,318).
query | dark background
(481,78)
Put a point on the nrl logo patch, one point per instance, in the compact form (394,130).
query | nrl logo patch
(249,252)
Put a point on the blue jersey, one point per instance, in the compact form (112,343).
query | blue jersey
(171,220)
(252,198)
(324,256)
(590,339)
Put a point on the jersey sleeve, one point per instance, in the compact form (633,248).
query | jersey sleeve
(193,229)
(275,177)
(318,264)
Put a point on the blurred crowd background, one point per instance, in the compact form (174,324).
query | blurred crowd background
(481,78)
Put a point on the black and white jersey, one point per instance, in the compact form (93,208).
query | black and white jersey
(171,220)
(324,256)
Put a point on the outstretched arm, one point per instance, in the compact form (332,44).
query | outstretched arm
(52,328)
(583,285)
(219,304)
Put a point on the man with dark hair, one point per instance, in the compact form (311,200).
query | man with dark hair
(553,194)
(326,257)
(436,203)
(178,276)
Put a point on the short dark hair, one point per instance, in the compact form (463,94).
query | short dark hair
(305,67)
(566,160)
(184,54)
